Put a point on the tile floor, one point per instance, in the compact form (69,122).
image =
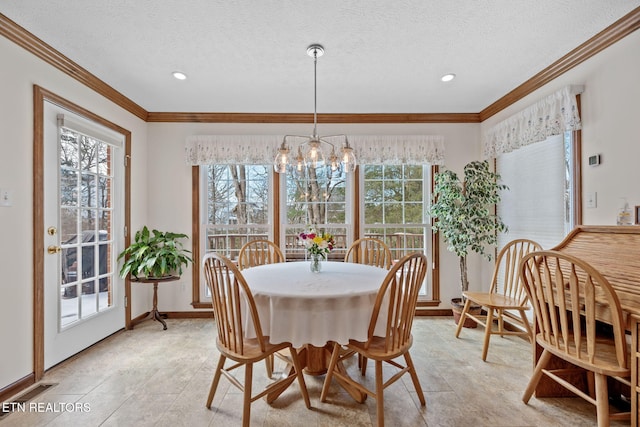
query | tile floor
(151,377)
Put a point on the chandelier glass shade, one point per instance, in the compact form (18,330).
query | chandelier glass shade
(311,151)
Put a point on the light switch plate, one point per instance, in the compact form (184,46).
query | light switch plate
(592,199)
(6,198)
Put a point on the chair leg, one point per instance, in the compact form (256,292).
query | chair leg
(500,322)
(463,315)
(329,376)
(537,374)
(363,362)
(268,363)
(526,324)
(379,394)
(602,400)
(414,378)
(216,380)
(487,333)
(301,383)
(248,379)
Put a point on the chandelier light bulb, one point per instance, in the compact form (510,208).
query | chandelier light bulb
(282,159)
(348,159)
(334,163)
(314,157)
(300,163)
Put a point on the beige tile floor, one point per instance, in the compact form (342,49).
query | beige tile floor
(151,377)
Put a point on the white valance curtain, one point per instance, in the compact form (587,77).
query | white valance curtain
(262,149)
(553,115)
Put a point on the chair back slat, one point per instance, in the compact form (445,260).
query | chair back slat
(568,295)
(506,278)
(369,251)
(399,294)
(259,252)
(231,299)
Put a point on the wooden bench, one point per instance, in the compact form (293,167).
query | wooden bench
(615,252)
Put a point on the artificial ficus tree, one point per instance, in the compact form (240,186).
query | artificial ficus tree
(463,211)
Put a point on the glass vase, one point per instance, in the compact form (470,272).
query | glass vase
(316,263)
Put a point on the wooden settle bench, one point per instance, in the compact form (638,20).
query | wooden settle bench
(615,252)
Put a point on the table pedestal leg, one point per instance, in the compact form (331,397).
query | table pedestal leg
(315,361)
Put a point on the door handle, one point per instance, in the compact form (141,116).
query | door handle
(54,249)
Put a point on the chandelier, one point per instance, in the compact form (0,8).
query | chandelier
(310,152)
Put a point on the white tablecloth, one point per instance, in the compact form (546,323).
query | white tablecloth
(301,307)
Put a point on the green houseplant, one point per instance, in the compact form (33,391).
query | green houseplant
(154,254)
(463,211)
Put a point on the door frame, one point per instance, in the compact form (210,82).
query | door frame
(40,95)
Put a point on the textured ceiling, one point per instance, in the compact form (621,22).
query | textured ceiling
(250,56)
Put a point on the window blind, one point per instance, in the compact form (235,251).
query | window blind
(534,206)
(90,129)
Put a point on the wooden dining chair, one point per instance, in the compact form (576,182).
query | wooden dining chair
(369,251)
(259,252)
(229,294)
(395,309)
(568,296)
(506,298)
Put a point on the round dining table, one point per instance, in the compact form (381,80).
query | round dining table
(313,310)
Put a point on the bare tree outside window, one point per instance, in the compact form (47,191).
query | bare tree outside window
(237,206)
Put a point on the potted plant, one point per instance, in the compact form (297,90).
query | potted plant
(154,254)
(463,211)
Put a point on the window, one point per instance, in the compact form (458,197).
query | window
(539,204)
(387,197)
(236,207)
(316,197)
(395,201)
(86,193)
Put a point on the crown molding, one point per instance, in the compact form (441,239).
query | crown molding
(308,118)
(48,54)
(605,38)
(618,30)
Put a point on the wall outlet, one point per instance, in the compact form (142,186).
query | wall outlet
(6,197)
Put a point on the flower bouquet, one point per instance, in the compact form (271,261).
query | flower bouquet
(318,245)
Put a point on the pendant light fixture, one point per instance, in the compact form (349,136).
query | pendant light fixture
(310,153)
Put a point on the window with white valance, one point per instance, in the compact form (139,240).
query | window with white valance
(261,149)
(535,156)
(553,115)
(242,198)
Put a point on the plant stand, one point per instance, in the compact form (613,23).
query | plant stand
(154,313)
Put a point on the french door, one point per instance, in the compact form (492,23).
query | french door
(84,232)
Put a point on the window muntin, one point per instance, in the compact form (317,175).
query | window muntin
(86,192)
(329,198)
(237,206)
(395,201)
(318,198)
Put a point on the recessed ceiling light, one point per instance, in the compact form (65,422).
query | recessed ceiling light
(448,77)
(179,75)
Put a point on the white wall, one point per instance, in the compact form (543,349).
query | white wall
(170,183)
(18,73)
